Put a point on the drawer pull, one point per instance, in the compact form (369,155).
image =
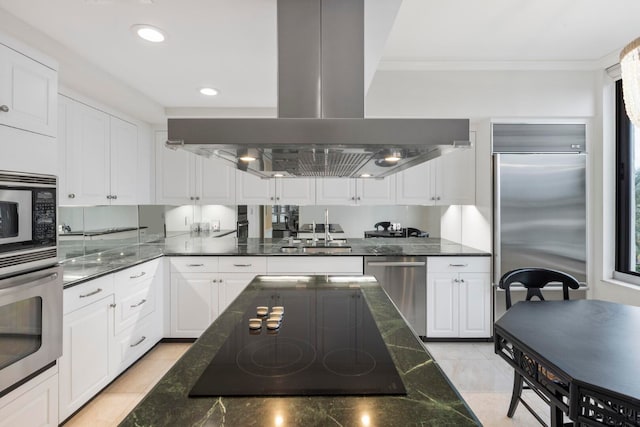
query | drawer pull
(458,265)
(138,304)
(139,342)
(135,276)
(195,265)
(97,291)
(242,265)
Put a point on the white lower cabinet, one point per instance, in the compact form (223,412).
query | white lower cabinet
(34,404)
(108,324)
(347,265)
(458,297)
(203,287)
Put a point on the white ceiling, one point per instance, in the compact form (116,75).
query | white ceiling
(231,44)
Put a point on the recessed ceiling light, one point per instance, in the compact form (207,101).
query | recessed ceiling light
(149,33)
(209,91)
(365,175)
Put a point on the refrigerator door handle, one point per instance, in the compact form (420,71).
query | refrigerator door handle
(496,219)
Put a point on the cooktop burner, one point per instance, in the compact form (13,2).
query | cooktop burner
(327,344)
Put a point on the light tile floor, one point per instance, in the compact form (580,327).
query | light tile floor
(120,397)
(482,378)
(485,380)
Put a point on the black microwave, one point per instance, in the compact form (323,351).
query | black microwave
(28,207)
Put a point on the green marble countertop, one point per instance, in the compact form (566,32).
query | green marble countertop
(430,401)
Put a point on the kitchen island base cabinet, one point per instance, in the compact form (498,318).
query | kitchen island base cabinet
(33,404)
(458,297)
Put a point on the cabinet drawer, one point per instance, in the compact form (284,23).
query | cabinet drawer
(86,293)
(131,276)
(459,264)
(242,264)
(315,265)
(138,303)
(133,343)
(194,264)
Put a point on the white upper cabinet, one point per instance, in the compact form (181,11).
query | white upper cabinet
(99,156)
(28,93)
(356,191)
(446,180)
(253,190)
(184,178)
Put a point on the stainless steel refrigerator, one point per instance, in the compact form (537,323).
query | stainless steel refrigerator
(539,197)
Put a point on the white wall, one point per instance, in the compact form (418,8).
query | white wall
(354,220)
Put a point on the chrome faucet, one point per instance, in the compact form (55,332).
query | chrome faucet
(327,236)
(313,230)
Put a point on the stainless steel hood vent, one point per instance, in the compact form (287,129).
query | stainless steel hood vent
(320,129)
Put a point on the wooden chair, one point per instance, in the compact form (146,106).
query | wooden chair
(533,279)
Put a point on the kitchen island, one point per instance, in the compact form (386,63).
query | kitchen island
(430,398)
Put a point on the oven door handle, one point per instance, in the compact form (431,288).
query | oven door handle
(396,263)
(30,280)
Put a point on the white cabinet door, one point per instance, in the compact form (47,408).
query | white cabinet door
(84,365)
(216,184)
(456,176)
(295,191)
(416,185)
(231,285)
(175,174)
(253,190)
(475,305)
(335,191)
(124,162)
(376,191)
(36,407)
(87,155)
(194,303)
(442,305)
(28,93)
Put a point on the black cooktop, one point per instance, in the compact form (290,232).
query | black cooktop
(327,344)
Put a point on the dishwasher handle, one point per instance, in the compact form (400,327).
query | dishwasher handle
(396,263)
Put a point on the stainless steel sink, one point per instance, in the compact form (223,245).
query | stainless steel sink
(333,249)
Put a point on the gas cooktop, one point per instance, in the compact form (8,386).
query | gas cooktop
(327,344)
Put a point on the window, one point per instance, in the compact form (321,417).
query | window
(627,190)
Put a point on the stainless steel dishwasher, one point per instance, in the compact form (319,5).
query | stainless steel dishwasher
(405,281)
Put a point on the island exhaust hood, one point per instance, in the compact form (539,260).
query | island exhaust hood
(320,129)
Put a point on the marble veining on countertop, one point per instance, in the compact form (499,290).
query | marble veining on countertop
(431,400)
(79,267)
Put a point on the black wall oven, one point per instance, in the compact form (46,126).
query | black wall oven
(27,221)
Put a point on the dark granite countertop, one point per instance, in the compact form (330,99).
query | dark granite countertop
(100,262)
(430,401)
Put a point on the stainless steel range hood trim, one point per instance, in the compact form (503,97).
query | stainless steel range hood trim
(319,133)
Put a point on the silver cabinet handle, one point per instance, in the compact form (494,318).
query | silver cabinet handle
(192,198)
(195,265)
(72,196)
(242,265)
(135,276)
(353,198)
(438,198)
(115,196)
(139,342)
(112,305)
(396,263)
(456,281)
(214,281)
(108,196)
(458,265)
(197,198)
(138,304)
(4,108)
(97,291)
(433,198)
(461,280)
(358,198)
(270,198)
(277,198)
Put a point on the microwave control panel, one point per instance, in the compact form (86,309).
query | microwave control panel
(44,216)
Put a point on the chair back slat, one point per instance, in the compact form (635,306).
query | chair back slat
(534,279)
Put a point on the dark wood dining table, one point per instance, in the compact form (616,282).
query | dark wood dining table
(584,355)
